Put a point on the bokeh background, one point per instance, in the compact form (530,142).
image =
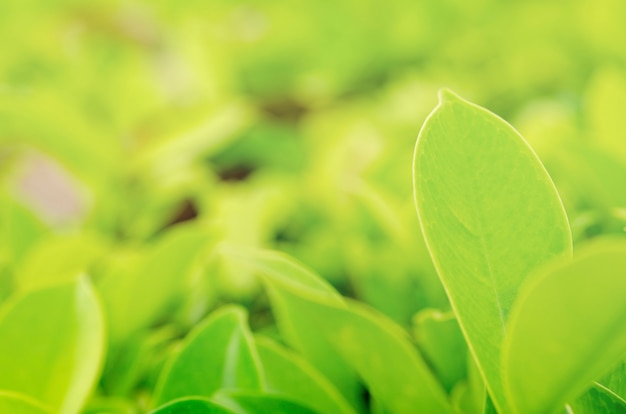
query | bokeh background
(287,125)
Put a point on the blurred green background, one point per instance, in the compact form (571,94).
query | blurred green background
(286,125)
(291,124)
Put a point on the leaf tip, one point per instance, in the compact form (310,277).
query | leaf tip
(446,95)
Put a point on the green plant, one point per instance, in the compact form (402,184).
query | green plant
(533,328)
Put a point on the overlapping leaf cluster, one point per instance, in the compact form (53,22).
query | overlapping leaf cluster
(166,166)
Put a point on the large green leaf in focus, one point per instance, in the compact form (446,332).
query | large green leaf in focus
(567,329)
(51,345)
(490,215)
(373,345)
(12,403)
(217,354)
(289,374)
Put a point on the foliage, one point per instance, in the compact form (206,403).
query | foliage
(208,207)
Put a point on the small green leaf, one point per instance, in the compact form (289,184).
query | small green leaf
(288,374)
(51,345)
(217,354)
(389,364)
(192,406)
(490,215)
(567,329)
(13,403)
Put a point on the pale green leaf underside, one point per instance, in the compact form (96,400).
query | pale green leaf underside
(567,330)
(490,215)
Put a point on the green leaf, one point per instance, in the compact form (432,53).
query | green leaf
(468,396)
(217,354)
(606,95)
(439,338)
(246,402)
(598,400)
(137,291)
(389,365)
(616,381)
(110,405)
(295,326)
(14,403)
(173,152)
(127,368)
(490,215)
(279,265)
(59,259)
(51,345)
(567,329)
(288,374)
(19,229)
(192,406)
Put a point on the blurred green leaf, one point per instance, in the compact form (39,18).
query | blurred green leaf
(389,365)
(20,230)
(598,400)
(490,215)
(250,402)
(288,374)
(110,405)
(616,381)
(52,345)
(171,153)
(439,338)
(137,291)
(192,406)
(295,327)
(606,95)
(59,259)
(469,396)
(19,404)
(562,318)
(218,354)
